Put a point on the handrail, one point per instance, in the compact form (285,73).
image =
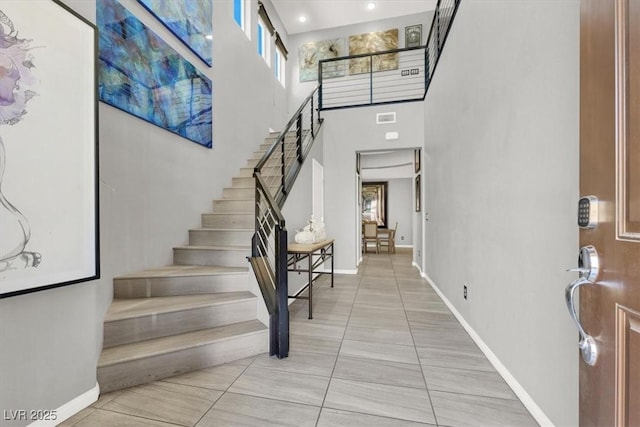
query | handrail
(405,75)
(292,147)
(274,176)
(265,157)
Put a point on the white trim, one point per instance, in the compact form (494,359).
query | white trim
(524,397)
(415,264)
(404,246)
(336,271)
(70,408)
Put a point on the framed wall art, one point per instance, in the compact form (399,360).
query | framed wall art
(190,21)
(370,43)
(413,35)
(48,148)
(418,193)
(139,73)
(309,54)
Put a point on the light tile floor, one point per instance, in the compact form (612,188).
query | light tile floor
(382,350)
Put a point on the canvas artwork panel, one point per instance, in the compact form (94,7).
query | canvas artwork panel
(142,75)
(311,53)
(190,21)
(373,42)
(48,148)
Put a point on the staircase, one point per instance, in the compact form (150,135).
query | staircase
(197,312)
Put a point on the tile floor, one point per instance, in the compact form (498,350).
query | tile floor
(382,350)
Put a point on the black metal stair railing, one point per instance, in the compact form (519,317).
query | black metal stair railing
(392,76)
(274,176)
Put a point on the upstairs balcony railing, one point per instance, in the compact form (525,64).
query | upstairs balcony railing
(392,76)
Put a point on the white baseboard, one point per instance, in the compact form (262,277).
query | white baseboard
(70,408)
(415,264)
(404,246)
(336,271)
(524,397)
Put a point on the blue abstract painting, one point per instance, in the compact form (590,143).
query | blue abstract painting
(141,74)
(189,20)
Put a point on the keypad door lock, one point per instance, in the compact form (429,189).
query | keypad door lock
(588,212)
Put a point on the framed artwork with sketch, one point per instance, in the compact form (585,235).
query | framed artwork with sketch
(48,148)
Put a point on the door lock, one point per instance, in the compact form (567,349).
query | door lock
(588,270)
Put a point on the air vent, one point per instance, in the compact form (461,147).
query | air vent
(384,118)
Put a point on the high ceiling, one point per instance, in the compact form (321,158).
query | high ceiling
(321,14)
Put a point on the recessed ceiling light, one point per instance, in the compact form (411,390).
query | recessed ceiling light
(302,18)
(371,5)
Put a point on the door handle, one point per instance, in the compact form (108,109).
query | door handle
(588,269)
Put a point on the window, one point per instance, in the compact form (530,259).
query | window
(242,16)
(280,60)
(238,12)
(263,41)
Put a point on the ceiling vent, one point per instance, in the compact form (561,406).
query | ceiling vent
(384,118)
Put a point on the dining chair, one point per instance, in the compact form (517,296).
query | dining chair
(389,239)
(370,235)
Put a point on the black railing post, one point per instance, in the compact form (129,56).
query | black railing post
(427,68)
(254,239)
(283,162)
(299,139)
(313,135)
(319,86)
(370,79)
(437,23)
(282,291)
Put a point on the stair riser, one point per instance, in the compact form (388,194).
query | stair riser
(248,172)
(253,162)
(174,286)
(235,206)
(275,159)
(220,237)
(128,374)
(243,181)
(251,181)
(229,220)
(226,258)
(165,324)
(238,193)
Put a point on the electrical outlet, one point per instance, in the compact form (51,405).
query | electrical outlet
(401,237)
(418,253)
(464,291)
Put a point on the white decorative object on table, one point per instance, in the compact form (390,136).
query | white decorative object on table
(313,232)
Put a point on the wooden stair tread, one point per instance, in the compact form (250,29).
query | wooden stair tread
(221,229)
(157,346)
(129,308)
(215,248)
(183,271)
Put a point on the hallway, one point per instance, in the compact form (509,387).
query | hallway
(382,350)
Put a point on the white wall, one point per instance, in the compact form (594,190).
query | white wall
(400,199)
(501,174)
(153,187)
(345,133)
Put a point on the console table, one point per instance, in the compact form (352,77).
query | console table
(316,254)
